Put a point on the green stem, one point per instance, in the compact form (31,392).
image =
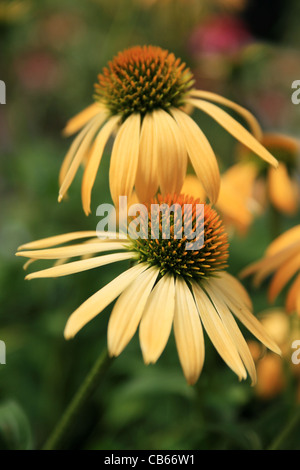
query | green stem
(287,431)
(81,397)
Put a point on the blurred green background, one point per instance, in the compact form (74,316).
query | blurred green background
(50,55)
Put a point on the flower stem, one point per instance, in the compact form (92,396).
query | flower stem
(287,431)
(81,397)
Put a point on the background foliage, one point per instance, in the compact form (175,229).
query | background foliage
(50,54)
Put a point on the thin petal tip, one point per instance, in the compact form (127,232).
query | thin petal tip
(68,333)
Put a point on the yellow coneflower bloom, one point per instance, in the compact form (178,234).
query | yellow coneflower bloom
(271,376)
(235,202)
(283,259)
(280,185)
(142,96)
(168,286)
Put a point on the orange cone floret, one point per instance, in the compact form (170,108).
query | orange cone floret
(163,239)
(141,79)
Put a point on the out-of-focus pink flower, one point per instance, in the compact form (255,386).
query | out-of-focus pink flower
(57,30)
(38,71)
(220,35)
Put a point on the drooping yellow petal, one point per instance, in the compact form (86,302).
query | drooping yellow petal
(128,311)
(232,328)
(124,158)
(92,166)
(146,182)
(188,333)
(72,152)
(73,250)
(171,153)
(78,121)
(100,300)
(79,266)
(283,275)
(282,191)
(245,316)
(79,155)
(236,129)
(250,119)
(285,240)
(217,332)
(28,263)
(234,285)
(157,319)
(201,154)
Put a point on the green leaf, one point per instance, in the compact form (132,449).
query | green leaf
(15,431)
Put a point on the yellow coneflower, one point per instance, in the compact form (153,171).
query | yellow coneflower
(142,96)
(283,259)
(235,202)
(280,185)
(169,285)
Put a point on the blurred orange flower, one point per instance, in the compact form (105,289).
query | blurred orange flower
(278,186)
(271,370)
(235,202)
(283,259)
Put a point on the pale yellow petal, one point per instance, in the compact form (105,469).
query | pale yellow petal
(128,311)
(282,191)
(72,152)
(78,121)
(57,240)
(283,276)
(250,119)
(28,263)
(124,158)
(188,333)
(48,242)
(232,328)
(246,317)
(92,166)
(234,285)
(146,182)
(73,250)
(157,319)
(79,266)
(201,154)
(217,332)
(100,300)
(236,129)
(171,153)
(79,155)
